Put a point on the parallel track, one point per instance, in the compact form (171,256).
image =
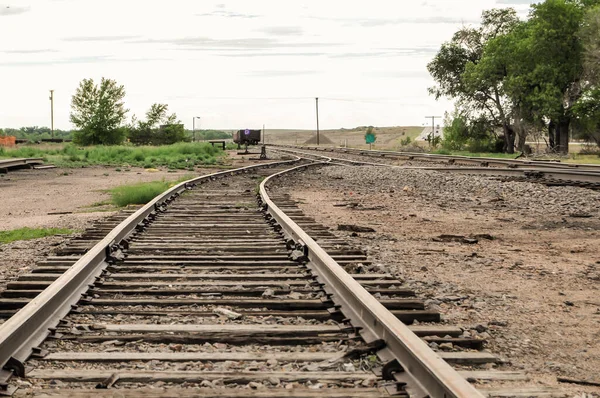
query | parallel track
(207,292)
(547,173)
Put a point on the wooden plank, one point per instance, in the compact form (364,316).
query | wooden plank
(280,304)
(492,375)
(190,356)
(229,329)
(244,278)
(468,357)
(171,338)
(94,376)
(435,330)
(523,392)
(354,392)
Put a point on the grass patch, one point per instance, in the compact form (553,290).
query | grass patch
(142,193)
(178,156)
(31,233)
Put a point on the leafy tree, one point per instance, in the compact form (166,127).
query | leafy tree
(98,111)
(463,71)
(159,128)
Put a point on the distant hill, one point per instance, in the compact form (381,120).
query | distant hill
(387,137)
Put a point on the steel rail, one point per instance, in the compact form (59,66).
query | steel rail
(19,162)
(457,159)
(426,373)
(533,173)
(21,334)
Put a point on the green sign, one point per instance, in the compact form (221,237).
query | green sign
(370,138)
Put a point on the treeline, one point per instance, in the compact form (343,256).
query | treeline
(513,79)
(98,112)
(36,133)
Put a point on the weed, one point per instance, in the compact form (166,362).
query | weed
(31,233)
(141,193)
(177,156)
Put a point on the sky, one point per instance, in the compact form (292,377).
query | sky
(233,64)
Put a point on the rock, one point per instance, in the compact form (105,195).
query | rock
(498,323)
(268,293)
(274,380)
(295,295)
(272,362)
(206,383)
(228,313)
(569,303)
(354,228)
(255,385)
(348,367)
(446,346)
(317,386)
(480,328)
(297,255)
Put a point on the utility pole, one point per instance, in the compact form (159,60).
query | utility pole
(432,136)
(194,128)
(264,135)
(317,100)
(52,111)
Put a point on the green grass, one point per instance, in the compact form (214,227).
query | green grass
(142,193)
(31,233)
(177,156)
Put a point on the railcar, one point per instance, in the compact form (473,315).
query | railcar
(247,137)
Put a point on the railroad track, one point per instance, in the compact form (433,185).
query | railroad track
(547,173)
(207,291)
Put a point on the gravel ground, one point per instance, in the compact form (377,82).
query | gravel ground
(523,265)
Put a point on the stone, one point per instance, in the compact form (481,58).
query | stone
(228,313)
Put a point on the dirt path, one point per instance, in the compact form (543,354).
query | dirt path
(534,287)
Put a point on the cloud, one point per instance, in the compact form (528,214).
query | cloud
(227,14)
(515,2)
(272,54)
(99,38)
(255,43)
(40,51)
(280,73)
(282,30)
(374,22)
(10,10)
(387,52)
(76,60)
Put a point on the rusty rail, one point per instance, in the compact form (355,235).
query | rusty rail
(21,334)
(410,359)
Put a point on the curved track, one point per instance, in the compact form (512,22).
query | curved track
(548,173)
(208,292)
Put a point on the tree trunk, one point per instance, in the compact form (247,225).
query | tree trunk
(509,138)
(562,135)
(522,139)
(552,134)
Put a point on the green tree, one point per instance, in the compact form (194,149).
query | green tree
(464,71)
(98,112)
(159,128)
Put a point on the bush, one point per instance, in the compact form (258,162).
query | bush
(142,193)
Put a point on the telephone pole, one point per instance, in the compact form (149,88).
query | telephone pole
(52,111)
(432,136)
(317,102)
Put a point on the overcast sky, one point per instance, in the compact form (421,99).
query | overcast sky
(236,64)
